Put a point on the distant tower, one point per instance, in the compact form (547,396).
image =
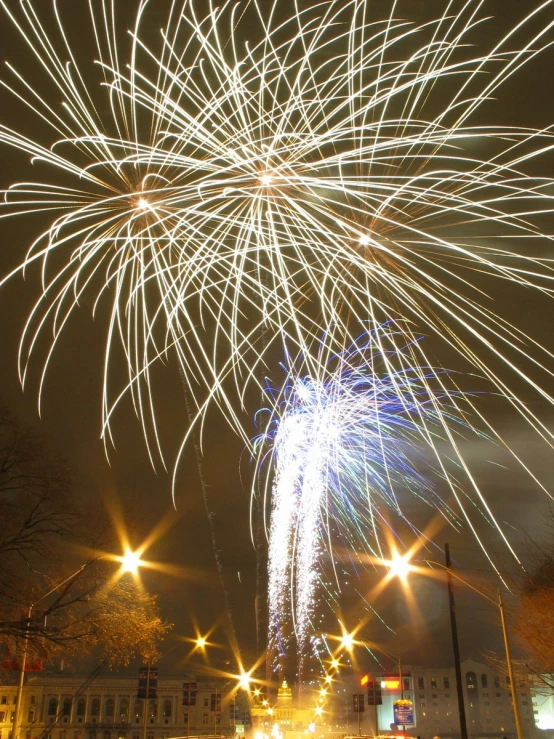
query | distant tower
(284,694)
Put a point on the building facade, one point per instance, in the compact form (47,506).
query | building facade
(487,700)
(543,703)
(108,708)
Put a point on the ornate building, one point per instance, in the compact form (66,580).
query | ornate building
(285,713)
(109,708)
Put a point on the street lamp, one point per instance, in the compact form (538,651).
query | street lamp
(500,605)
(129,563)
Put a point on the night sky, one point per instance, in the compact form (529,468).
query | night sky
(70,425)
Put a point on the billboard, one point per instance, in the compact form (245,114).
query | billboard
(403,713)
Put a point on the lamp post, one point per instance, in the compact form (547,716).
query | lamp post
(129,563)
(499,604)
(25,649)
(507,650)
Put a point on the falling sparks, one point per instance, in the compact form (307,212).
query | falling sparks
(353,442)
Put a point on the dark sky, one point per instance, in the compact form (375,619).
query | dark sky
(70,424)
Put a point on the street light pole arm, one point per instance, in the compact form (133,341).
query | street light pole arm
(67,580)
(461,579)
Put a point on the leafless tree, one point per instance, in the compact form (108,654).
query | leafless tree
(86,609)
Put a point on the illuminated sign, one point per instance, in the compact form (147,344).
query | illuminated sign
(390,684)
(403,713)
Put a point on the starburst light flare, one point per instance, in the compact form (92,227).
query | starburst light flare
(247,180)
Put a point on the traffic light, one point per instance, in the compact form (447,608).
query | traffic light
(374,696)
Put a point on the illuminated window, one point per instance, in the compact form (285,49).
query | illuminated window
(433,683)
(124,710)
(471,680)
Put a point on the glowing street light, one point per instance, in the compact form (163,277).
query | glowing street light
(130,562)
(399,566)
(347,641)
(244,680)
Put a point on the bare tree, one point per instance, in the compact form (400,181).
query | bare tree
(86,609)
(533,621)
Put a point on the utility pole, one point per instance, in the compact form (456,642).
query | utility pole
(455,646)
(510,667)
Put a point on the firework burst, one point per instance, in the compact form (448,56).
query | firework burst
(229,196)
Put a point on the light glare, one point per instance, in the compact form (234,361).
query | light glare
(130,562)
